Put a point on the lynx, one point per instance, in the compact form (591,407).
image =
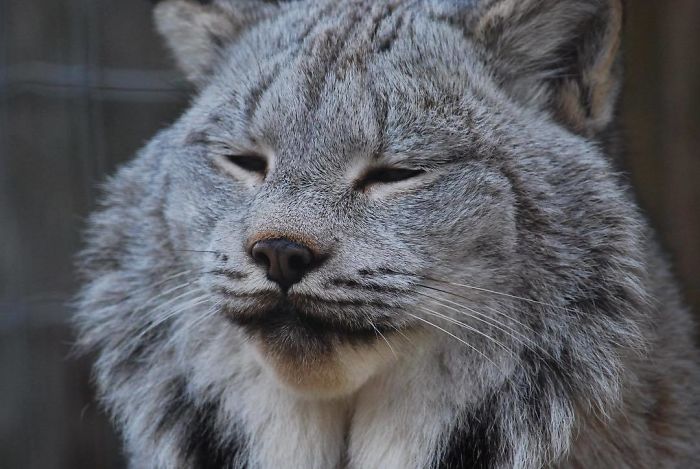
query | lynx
(388,234)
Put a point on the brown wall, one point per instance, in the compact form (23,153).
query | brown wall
(84,83)
(661,115)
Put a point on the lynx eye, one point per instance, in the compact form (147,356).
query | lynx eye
(251,163)
(386,175)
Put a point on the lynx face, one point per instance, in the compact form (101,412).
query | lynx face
(345,161)
(330,185)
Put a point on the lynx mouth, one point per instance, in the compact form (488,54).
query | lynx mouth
(297,323)
(320,347)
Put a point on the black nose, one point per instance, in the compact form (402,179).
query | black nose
(286,261)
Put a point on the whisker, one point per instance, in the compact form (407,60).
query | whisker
(148,326)
(175,299)
(481,317)
(168,265)
(457,338)
(198,250)
(493,322)
(161,282)
(161,295)
(213,311)
(401,333)
(496,322)
(507,295)
(134,293)
(194,302)
(393,352)
(469,328)
(377,331)
(469,299)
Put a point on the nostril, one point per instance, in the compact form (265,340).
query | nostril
(298,262)
(260,257)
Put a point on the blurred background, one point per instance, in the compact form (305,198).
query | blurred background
(85,83)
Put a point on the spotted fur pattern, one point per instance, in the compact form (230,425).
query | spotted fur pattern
(507,307)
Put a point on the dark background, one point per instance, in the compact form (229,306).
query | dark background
(84,83)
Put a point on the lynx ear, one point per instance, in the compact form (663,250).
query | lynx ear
(560,55)
(197,30)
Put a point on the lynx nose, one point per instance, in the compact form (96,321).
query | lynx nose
(286,261)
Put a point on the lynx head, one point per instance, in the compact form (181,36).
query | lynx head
(349,170)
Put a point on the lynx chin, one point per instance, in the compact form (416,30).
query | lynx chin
(388,234)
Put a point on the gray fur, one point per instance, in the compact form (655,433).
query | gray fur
(574,350)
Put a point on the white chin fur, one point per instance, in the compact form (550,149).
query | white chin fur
(338,374)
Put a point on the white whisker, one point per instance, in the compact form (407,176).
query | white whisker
(383,337)
(457,338)
(507,295)
(162,294)
(192,303)
(469,328)
(493,322)
(510,318)
(161,282)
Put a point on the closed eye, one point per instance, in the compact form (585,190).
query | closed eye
(386,175)
(251,163)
